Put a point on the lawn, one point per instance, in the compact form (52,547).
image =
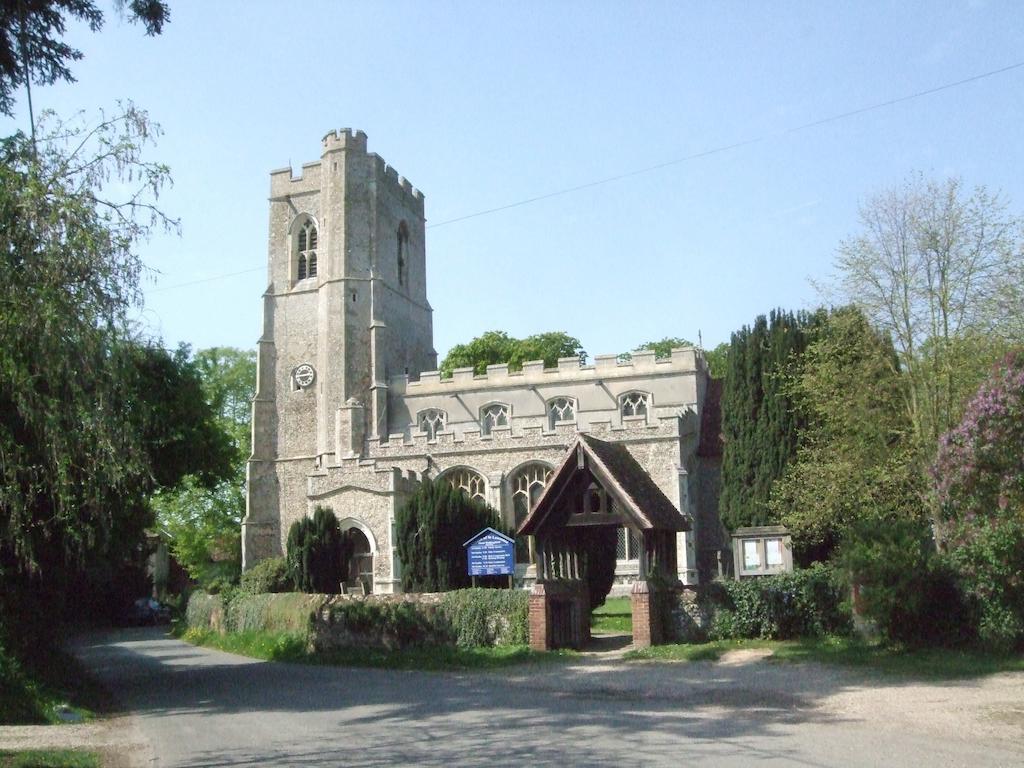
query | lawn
(49,758)
(616,615)
(933,663)
(285,646)
(37,689)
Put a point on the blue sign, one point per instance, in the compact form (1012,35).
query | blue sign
(491,553)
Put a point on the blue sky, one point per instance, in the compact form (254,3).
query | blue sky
(483,104)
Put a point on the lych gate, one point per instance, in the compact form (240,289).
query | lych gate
(599,484)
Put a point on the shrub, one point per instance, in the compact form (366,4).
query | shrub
(431,528)
(317,553)
(485,617)
(990,567)
(804,603)
(270,575)
(905,588)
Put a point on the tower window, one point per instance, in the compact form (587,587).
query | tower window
(305,251)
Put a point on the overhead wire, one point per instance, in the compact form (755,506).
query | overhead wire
(668,163)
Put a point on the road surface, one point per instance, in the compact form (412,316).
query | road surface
(198,707)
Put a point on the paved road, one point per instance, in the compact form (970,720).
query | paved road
(198,707)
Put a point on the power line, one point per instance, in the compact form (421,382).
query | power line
(735,145)
(677,161)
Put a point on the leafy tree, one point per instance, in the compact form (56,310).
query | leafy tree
(31,32)
(759,424)
(663,348)
(718,360)
(85,432)
(853,459)
(937,268)
(497,347)
(204,519)
(431,528)
(317,553)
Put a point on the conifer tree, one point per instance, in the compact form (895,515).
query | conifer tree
(759,424)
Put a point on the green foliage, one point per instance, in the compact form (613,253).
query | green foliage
(804,603)
(317,553)
(49,758)
(854,456)
(905,589)
(83,431)
(989,561)
(497,347)
(663,349)
(718,360)
(270,575)
(203,518)
(31,44)
(486,617)
(431,528)
(388,624)
(759,424)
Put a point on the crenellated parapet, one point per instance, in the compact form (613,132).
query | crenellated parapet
(685,360)
(517,438)
(283,181)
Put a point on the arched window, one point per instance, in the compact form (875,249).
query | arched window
(561,409)
(431,421)
(527,486)
(469,482)
(493,415)
(305,251)
(403,253)
(634,404)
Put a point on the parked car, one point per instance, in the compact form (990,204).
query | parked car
(148,610)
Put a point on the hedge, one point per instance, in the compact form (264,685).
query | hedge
(810,602)
(466,618)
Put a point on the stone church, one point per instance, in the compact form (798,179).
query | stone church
(350,411)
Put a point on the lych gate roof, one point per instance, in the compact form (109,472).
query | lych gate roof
(620,474)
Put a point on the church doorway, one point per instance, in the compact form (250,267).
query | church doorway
(360,562)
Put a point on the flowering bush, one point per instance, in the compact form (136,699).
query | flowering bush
(979,476)
(979,471)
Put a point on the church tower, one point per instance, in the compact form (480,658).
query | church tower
(345,308)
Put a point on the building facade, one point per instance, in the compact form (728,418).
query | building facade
(350,412)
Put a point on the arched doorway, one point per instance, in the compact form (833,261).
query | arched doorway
(360,561)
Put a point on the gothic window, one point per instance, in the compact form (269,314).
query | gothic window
(403,252)
(627,546)
(306,251)
(635,404)
(527,486)
(561,409)
(431,421)
(469,482)
(493,415)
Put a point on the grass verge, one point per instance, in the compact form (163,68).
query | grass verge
(48,687)
(616,615)
(285,646)
(49,758)
(932,663)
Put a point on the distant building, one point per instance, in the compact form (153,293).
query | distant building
(350,411)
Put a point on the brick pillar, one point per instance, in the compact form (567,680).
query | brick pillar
(539,618)
(646,621)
